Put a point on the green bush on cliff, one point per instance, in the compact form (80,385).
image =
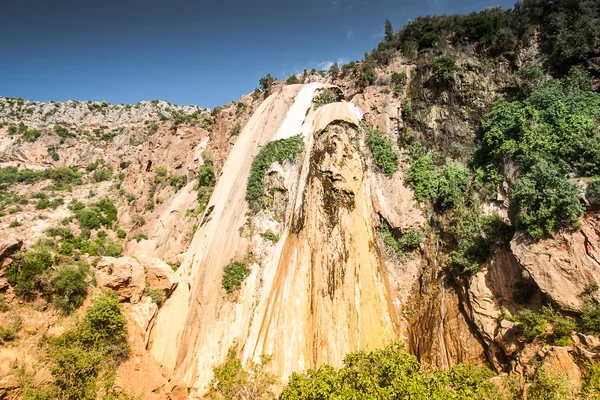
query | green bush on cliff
(233,276)
(550,135)
(206,181)
(70,287)
(385,157)
(278,150)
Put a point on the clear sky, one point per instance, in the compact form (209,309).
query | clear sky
(186,51)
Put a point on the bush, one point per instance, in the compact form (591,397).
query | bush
(25,275)
(70,288)
(444,68)
(592,192)
(550,386)
(83,360)
(102,175)
(423,176)
(156,295)
(385,157)
(326,96)
(278,150)
(121,234)
(590,319)
(534,324)
(389,373)
(232,381)
(452,187)
(177,181)
(544,200)
(160,175)
(369,76)
(292,80)
(233,276)
(268,235)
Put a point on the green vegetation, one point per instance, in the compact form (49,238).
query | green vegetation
(83,360)
(390,373)
(27,274)
(95,215)
(385,157)
(177,181)
(206,181)
(275,151)
(552,326)
(547,385)
(268,235)
(292,80)
(326,96)
(551,134)
(156,295)
(444,68)
(70,287)
(400,243)
(62,177)
(233,276)
(592,192)
(102,175)
(266,82)
(232,381)
(139,237)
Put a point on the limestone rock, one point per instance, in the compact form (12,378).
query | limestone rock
(124,275)
(143,312)
(159,274)
(9,244)
(562,266)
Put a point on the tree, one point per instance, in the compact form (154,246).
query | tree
(266,82)
(334,69)
(389,31)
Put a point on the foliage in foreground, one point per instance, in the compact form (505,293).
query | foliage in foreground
(83,360)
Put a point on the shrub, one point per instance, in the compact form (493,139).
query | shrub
(444,68)
(278,150)
(544,200)
(369,76)
(590,319)
(102,175)
(550,386)
(452,186)
(268,235)
(232,381)
(25,275)
(121,234)
(160,175)
(292,80)
(139,237)
(385,157)
(423,176)
(592,192)
(83,360)
(233,276)
(389,373)
(177,181)
(70,288)
(156,295)
(326,96)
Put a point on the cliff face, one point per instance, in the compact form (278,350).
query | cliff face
(322,280)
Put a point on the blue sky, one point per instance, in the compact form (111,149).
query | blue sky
(185,51)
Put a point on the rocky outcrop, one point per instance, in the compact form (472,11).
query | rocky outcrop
(563,266)
(88,113)
(159,274)
(124,275)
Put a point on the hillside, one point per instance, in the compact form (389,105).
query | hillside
(420,224)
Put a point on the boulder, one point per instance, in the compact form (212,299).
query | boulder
(159,274)
(124,275)
(563,266)
(9,244)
